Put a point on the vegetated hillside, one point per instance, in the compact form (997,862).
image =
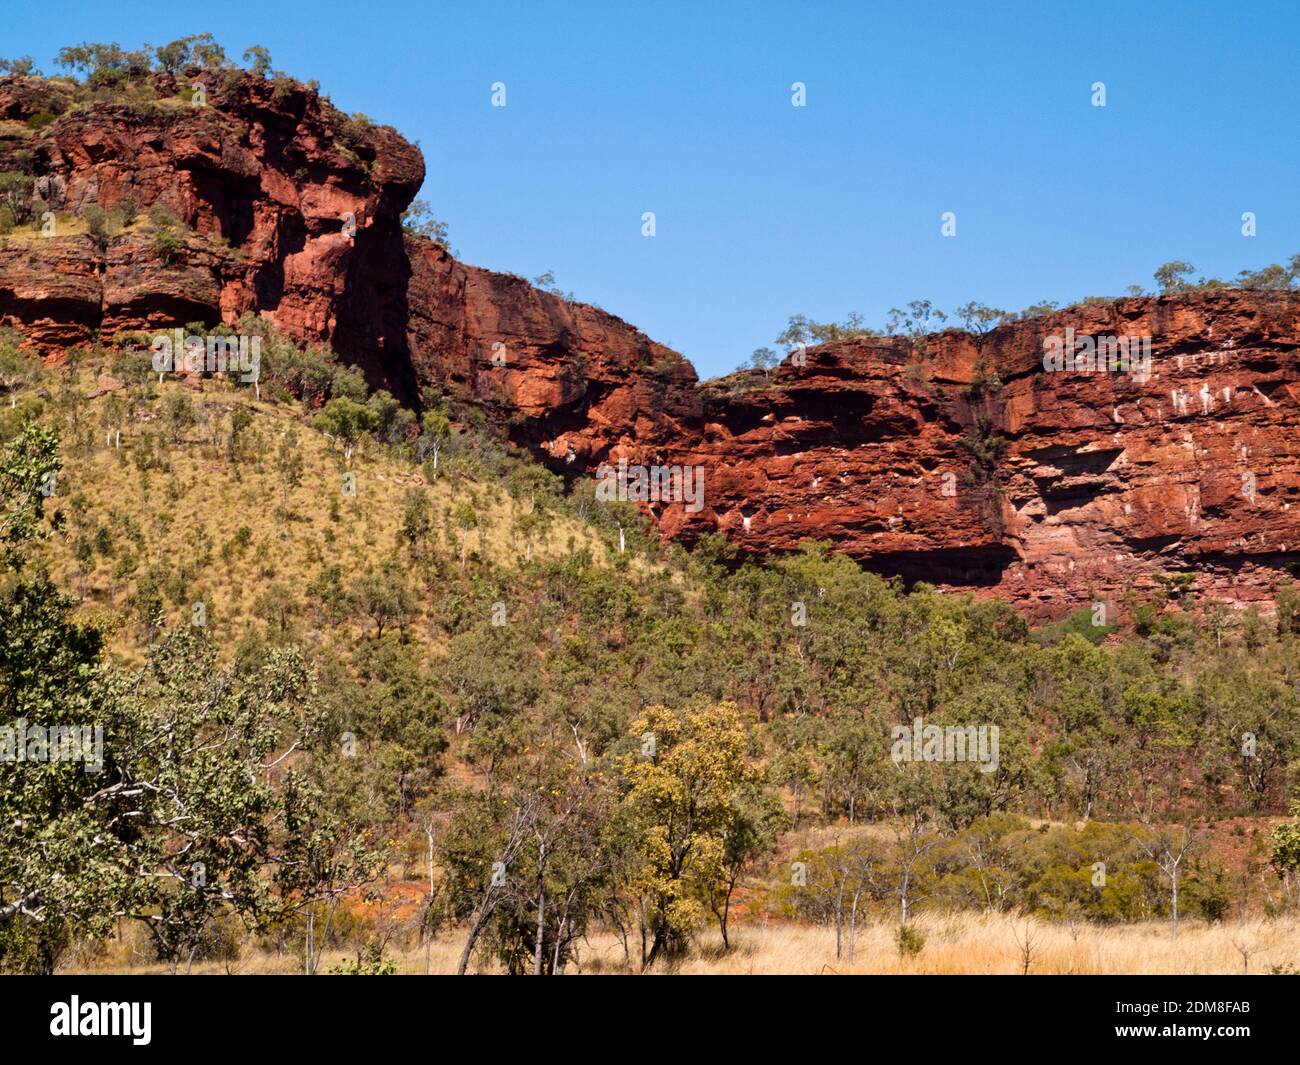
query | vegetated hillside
(480,656)
(194,492)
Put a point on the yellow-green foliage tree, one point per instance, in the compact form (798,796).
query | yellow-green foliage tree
(682,797)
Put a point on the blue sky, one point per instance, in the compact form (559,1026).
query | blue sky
(765,210)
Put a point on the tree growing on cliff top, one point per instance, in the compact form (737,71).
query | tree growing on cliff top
(764,359)
(108,62)
(196,49)
(418,220)
(104,63)
(258,60)
(1172,276)
(1272,278)
(803,330)
(23,66)
(917,320)
(979,318)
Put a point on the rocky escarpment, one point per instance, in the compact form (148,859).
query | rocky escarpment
(566,379)
(972,467)
(952,458)
(955,459)
(284,206)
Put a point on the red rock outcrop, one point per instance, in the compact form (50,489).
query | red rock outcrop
(969,466)
(954,459)
(566,379)
(973,467)
(267,181)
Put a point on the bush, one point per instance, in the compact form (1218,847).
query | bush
(169,240)
(370,961)
(1078,622)
(128,210)
(167,244)
(910,941)
(97,227)
(354,132)
(131,367)
(163,217)
(1209,897)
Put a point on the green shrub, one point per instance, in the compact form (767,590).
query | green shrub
(910,941)
(354,132)
(1208,897)
(128,210)
(167,244)
(1078,622)
(97,224)
(161,215)
(370,961)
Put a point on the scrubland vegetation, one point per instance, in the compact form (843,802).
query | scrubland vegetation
(921,318)
(379,695)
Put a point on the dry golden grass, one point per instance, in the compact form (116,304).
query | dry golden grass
(188,513)
(975,944)
(961,944)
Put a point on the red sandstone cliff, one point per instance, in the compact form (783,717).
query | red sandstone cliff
(265,178)
(963,463)
(1104,480)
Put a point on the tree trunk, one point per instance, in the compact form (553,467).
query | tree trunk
(476,929)
(428,913)
(654,950)
(641,921)
(309,955)
(541,910)
(839,923)
(726,914)
(853,926)
(1173,896)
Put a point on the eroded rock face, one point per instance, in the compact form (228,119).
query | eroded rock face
(957,460)
(972,467)
(1195,467)
(566,379)
(266,180)
(961,461)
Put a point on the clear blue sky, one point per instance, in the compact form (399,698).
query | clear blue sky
(765,210)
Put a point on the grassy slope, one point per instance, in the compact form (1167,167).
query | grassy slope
(182,515)
(193,507)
